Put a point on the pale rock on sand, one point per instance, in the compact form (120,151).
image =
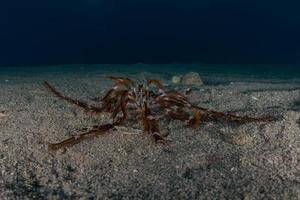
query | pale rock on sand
(2,114)
(192,78)
(176,79)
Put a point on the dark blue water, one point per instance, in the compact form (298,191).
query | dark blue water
(52,32)
(212,74)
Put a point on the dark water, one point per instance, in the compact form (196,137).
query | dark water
(53,32)
(237,40)
(212,74)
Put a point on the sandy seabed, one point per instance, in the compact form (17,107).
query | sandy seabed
(219,160)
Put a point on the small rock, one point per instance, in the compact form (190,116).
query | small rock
(192,78)
(2,114)
(188,91)
(176,79)
(254,98)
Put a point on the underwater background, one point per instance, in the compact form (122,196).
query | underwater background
(35,33)
(56,56)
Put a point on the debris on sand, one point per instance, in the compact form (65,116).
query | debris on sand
(2,114)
